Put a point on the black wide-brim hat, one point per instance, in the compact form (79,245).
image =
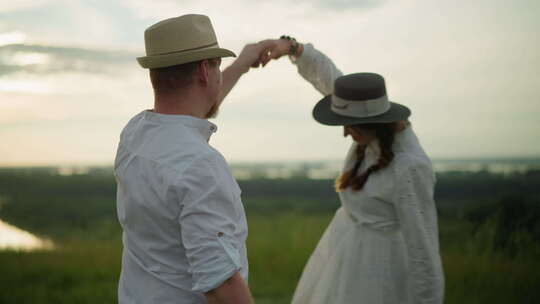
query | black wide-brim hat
(359,99)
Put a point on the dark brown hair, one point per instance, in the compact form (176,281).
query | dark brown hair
(170,79)
(384,132)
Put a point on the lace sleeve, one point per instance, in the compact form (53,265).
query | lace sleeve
(417,216)
(318,69)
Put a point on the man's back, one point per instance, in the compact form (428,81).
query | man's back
(180,209)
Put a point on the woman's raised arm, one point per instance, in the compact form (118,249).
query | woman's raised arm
(313,65)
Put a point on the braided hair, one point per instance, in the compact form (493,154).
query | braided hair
(385,133)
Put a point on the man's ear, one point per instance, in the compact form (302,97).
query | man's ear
(204,69)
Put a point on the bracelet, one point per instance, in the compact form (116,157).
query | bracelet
(294,45)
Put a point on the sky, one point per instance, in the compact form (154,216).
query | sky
(468,70)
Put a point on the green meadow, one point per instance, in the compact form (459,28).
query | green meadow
(489,242)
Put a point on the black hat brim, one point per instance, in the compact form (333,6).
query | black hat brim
(324,114)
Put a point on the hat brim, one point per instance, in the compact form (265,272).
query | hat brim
(324,114)
(161,61)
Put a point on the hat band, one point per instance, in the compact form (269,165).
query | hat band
(360,109)
(213,44)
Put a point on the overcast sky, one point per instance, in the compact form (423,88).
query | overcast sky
(467,69)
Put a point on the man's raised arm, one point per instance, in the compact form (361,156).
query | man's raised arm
(249,57)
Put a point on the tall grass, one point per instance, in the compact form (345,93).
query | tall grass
(278,247)
(77,272)
(477,274)
(86,271)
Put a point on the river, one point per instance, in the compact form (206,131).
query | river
(13,238)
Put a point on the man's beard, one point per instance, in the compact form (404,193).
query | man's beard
(213,112)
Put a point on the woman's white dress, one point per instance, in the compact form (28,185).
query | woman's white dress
(382,244)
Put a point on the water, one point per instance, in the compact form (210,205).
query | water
(331,169)
(13,238)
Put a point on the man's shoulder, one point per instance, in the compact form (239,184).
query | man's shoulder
(208,158)
(173,147)
(130,125)
(193,155)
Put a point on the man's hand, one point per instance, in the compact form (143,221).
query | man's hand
(275,48)
(250,55)
(253,55)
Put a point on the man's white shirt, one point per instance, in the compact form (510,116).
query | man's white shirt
(184,225)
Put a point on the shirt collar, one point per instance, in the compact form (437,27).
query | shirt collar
(202,126)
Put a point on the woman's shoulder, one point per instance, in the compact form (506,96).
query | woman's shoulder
(406,163)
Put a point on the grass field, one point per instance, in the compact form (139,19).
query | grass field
(86,271)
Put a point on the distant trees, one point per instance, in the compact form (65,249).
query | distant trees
(515,220)
(518,224)
(44,201)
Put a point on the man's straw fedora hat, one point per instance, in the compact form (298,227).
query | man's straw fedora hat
(181,40)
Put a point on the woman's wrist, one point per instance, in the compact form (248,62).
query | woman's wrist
(295,48)
(293,45)
(299,51)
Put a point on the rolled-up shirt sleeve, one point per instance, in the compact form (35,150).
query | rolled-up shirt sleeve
(208,221)
(418,220)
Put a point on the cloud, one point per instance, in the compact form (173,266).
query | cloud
(13,37)
(168,8)
(68,22)
(467,71)
(348,4)
(39,59)
(11,6)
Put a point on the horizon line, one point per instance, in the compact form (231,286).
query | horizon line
(289,161)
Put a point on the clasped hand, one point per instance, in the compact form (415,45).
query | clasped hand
(260,53)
